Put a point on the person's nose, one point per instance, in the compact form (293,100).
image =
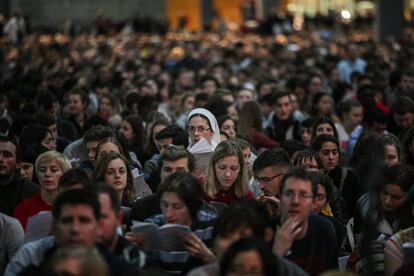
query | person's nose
(261,185)
(169,212)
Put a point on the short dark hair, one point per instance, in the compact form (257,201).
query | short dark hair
(46,99)
(186,187)
(302,174)
(179,136)
(269,260)
(82,94)
(97,133)
(103,188)
(240,214)
(72,177)
(174,153)
(5,139)
(45,119)
(280,94)
(291,146)
(270,158)
(402,105)
(76,197)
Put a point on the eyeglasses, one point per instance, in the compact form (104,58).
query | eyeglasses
(200,129)
(267,179)
(291,195)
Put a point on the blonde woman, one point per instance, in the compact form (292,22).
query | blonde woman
(49,167)
(227,174)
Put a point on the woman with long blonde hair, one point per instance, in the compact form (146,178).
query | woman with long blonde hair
(227,174)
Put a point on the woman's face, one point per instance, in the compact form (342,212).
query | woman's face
(325,129)
(174,209)
(49,141)
(392,198)
(229,127)
(116,174)
(329,154)
(227,171)
(198,128)
(244,96)
(189,103)
(26,171)
(126,130)
(354,117)
(105,106)
(391,155)
(107,148)
(320,200)
(324,106)
(156,129)
(306,136)
(49,173)
(247,263)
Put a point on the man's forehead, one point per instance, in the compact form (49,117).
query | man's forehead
(169,163)
(298,183)
(7,147)
(76,209)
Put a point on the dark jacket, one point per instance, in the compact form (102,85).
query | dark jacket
(14,192)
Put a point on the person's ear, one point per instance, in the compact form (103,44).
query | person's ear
(119,217)
(18,164)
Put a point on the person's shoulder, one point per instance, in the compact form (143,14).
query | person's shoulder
(8,222)
(320,223)
(287,268)
(206,270)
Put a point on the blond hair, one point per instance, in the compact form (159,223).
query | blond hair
(53,155)
(240,185)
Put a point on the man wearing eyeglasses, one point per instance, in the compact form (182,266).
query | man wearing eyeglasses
(269,168)
(301,237)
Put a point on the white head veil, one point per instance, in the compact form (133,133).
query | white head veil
(215,140)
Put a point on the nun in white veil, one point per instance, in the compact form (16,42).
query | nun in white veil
(203,130)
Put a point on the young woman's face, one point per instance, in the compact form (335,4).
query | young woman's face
(244,96)
(105,106)
(329,154)
(324,106)
(174,209)
(116,174)
(189,103)
(49,173)
(227,171)
(324,129)
(391,155)
(229,127)
(320,200)
(392,198)
(198,128)
(247,263)
(126,130)
(354,116)
(306,136)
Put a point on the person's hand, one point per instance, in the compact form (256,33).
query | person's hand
(285,235)
(197,248)
(272,200)
(135,238)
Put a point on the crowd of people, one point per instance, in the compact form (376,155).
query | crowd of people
(279,155)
